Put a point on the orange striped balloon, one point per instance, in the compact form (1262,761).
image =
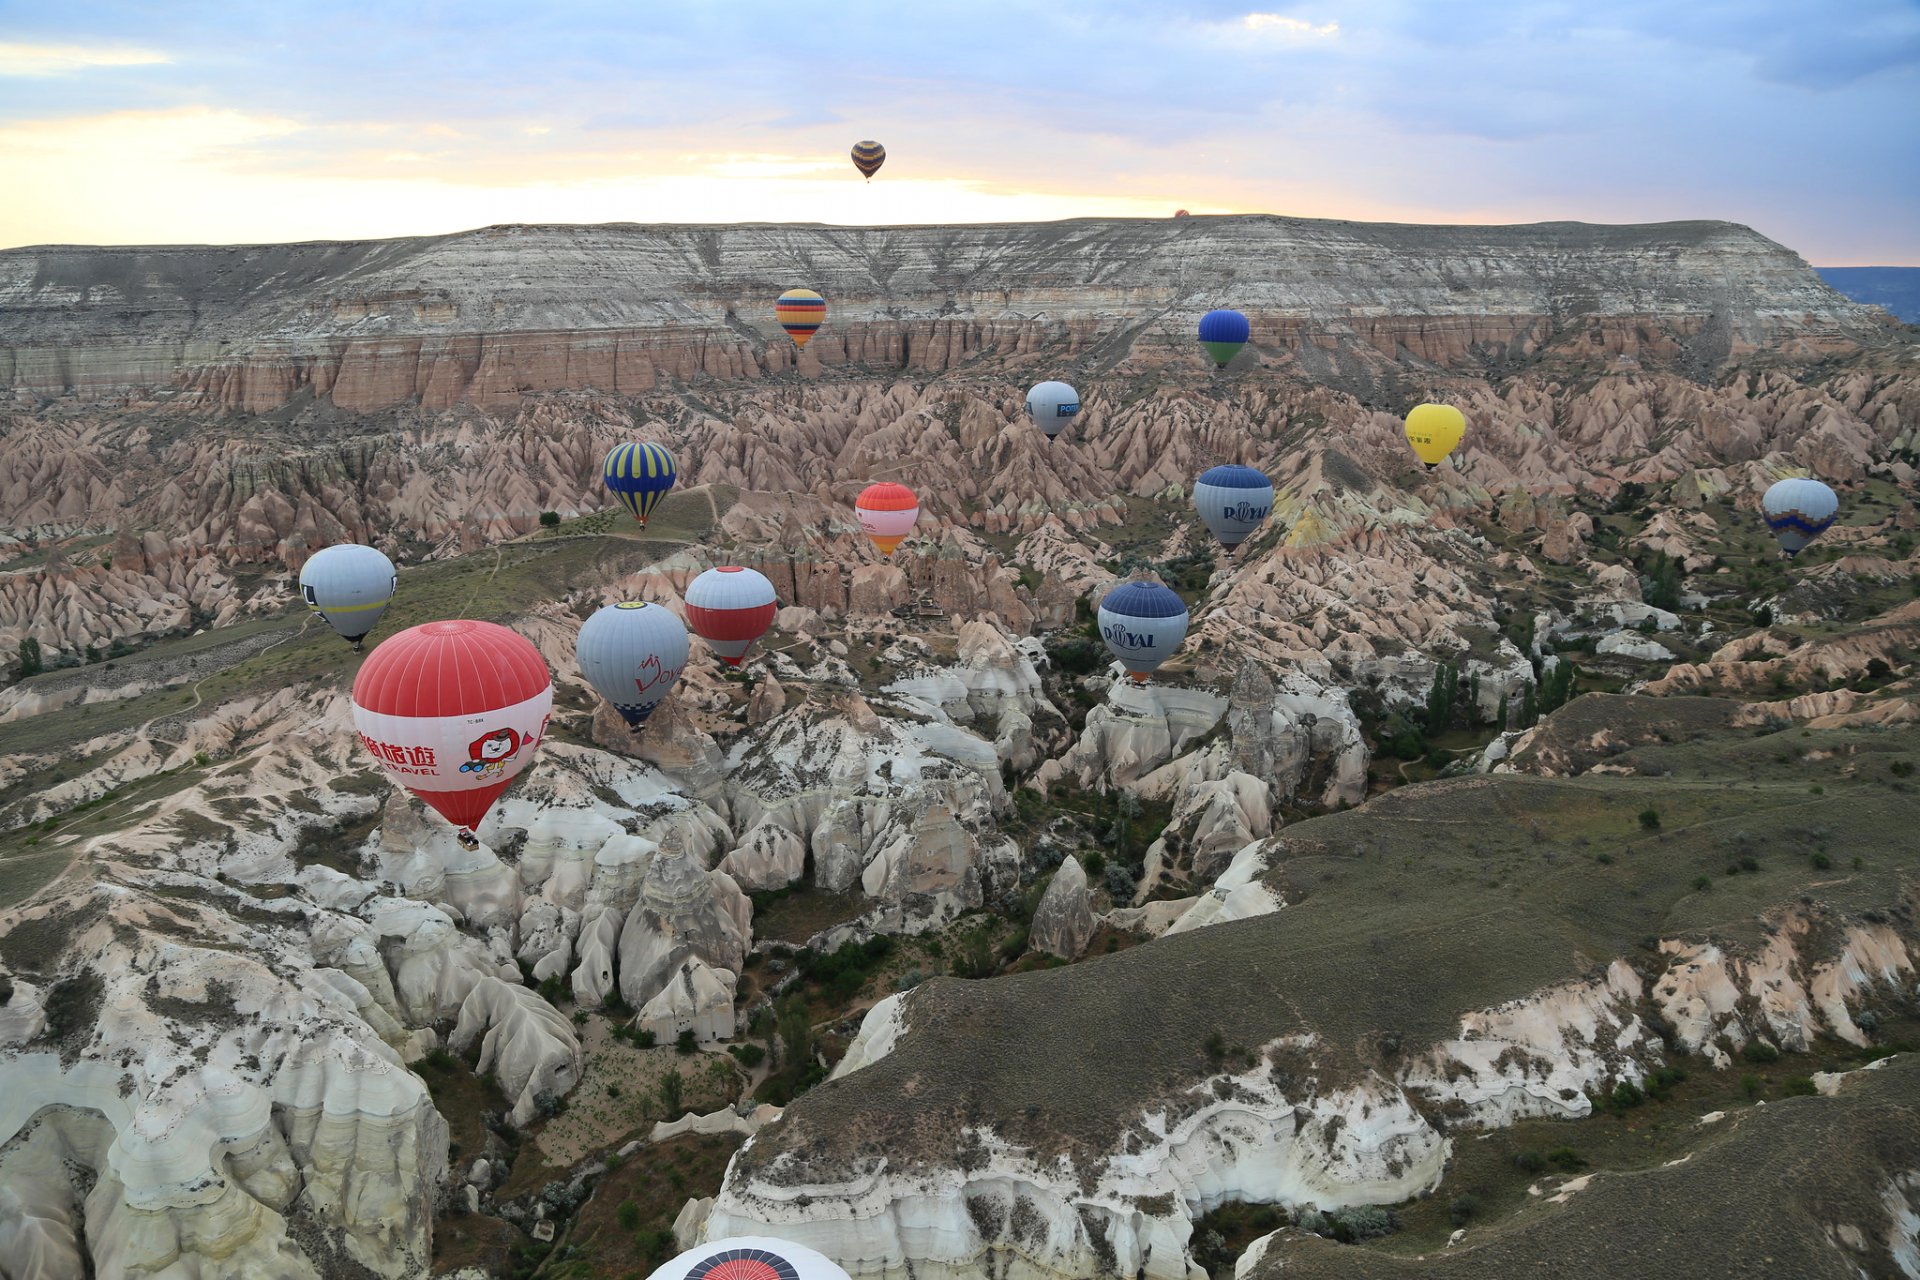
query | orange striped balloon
(801,312)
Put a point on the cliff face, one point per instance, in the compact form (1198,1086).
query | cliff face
(492,314)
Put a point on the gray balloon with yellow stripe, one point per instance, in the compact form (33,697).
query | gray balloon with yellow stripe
(640,476)
(349,586)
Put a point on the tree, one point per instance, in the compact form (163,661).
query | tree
(29,658)
(1529,708)
(1441,697)
(1501,716)
(673,1087)
(796,1036)
(1661,585)
(549,519)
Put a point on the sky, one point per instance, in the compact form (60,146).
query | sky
(200,122)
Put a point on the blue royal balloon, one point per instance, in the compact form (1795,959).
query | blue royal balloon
(640,476)
(1234,502)
(1143,624)
(1223,333)
(1798,510)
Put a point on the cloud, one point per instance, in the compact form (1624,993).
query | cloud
(1278,26)
(37,60)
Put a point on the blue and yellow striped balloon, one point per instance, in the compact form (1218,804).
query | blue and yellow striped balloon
(639,475)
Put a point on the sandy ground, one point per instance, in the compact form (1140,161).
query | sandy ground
(617,1097)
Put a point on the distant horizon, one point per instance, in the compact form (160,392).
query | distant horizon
(225,123)
(903,226)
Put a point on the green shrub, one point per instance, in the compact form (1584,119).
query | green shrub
(549,519)
(628,1215)
(748,1055)
(1216,1047)
(1799,1087)
(1566,1159)
(684,1044)
(1703,883)
(1529,1162)
(1650,819)
(1463,1208)
(1368,1222)
(1750,1085)
(1759,1051)
(1820,861)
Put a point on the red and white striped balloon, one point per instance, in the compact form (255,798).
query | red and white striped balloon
(453,712)
(730,607)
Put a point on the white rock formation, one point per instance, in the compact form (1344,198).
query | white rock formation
(1063,923)
(528,1045)
(697,998)
(684,913)
(767,857)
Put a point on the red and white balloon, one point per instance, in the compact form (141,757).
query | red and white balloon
(730,608)
(453,711)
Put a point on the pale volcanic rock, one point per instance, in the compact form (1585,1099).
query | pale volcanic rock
(528,1045)
(768,700)
(684,913)
(935,871)
(1627,644)
(697,998)
(433,964)
(1063,923)
(1138,729)
(598,948)
(559,856)
(1238,894)
(768,857)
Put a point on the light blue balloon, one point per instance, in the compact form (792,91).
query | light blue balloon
(349,585)
(1234,502)
(632,654)
(1798,510)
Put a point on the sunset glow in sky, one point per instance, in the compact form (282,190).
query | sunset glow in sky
(223,122)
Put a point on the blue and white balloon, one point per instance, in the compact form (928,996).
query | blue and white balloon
(1052,405)
(1143,624)
(1234,502)
(632,654)
(1798,510)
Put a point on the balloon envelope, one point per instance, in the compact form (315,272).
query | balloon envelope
(1143,624)
(349,586)
(632,653)
(1434,431)
(453,712)
(1233,501)
(750,1258)
(1223,333)
(1798,510)
(1050,405)
(868,157)
(640,476)
(801,312)
(730,607)
(887,513)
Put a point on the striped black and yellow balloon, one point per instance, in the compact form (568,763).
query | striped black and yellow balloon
(800,312)
(868,157)
(639,475)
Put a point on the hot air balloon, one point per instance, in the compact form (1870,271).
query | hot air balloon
(1434,431)
(1181,213)
(1143,622)
(887,512)
(1798,510)
(1223,333)
(453,712)
(1234,502)
(801,312)
(632,653)
(730,608)
(749,1258)
(349,586)
(1050,404)
(868,157)
(639,475)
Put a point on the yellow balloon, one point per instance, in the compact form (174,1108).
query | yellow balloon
(1434,431)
